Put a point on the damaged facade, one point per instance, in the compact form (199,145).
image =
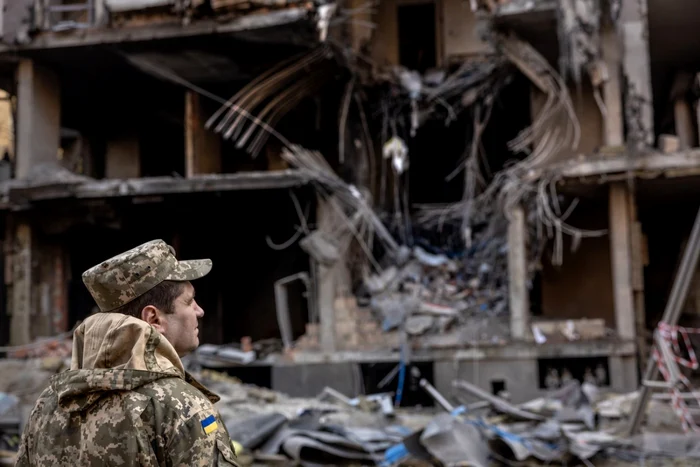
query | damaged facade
(480,189)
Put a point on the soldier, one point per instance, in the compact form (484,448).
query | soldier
(127,399)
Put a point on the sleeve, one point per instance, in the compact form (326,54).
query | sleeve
(22,459)
(201,441)
(26,440)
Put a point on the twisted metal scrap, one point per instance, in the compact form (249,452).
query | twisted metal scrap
(273,94)
(347,200)
(527,182)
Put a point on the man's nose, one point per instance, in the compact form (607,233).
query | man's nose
(199,310)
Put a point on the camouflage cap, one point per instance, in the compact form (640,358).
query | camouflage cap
(121,279)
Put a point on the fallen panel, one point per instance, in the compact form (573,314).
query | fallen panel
(452,441)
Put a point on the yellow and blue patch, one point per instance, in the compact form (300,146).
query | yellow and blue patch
(209,424)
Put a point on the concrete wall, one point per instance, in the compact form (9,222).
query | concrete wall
(310,380)
(521,377)
(38,116)
(582,286)
(459,30)
(520,374)
(122,159)
(16,20)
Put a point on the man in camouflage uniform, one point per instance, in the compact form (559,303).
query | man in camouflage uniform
(127,399)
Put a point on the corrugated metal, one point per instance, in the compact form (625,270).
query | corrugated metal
(118,6)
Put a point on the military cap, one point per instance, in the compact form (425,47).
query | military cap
(119,280)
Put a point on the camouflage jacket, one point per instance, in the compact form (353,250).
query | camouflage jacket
(126,401)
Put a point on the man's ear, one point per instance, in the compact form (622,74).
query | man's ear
(152,316)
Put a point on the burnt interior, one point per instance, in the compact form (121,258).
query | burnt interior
(238,294)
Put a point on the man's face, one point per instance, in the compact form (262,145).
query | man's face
(181,326)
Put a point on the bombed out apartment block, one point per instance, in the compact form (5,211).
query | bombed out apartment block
(494,190)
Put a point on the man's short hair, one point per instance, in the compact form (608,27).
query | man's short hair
(162,296)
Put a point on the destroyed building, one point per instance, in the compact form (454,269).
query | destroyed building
(482,188)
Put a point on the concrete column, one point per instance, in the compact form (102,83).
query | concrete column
(612,90)
(682,110)
(202,147)
(20,305)
(517,274)
(326,284)
(621,259)
(639,112)
(38,116)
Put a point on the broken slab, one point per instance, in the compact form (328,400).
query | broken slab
(204,27)
(670,165)
(27,191)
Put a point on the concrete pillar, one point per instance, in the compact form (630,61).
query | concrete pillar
(202,147)
(38,116)
(625,233)
(682,110)
(620,227)
(332,281)
(20,306)
(612,90)
(639,111)
(517,274)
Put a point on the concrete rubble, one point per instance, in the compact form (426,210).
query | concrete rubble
(573,423)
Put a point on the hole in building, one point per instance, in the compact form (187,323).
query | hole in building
(428,173)
(497,386)
(413,395)
(238,295)
(417,36)
(554,372)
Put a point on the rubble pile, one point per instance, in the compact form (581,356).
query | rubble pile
(440,298)
(440,292)
(355,329)
(576,422)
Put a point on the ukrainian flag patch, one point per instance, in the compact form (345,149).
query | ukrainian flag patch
(209,424)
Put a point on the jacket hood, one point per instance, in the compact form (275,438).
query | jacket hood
(114,352)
